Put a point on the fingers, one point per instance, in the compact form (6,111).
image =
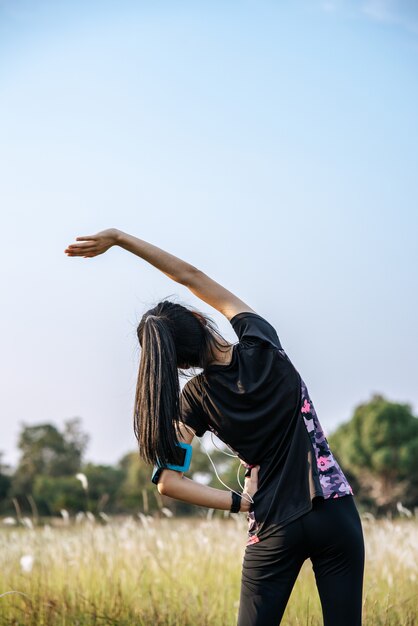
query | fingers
(82,245)
(86,248)
(83,253)
(254,474)
(77,249)
(251,479)
(79,252)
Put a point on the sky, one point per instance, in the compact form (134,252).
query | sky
(271,144)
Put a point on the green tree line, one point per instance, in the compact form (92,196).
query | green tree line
(377,449)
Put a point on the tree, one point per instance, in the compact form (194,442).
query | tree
(5,481)
(76,441)
(380,446)
(59,492)
(137,492)
(48,452)
(104,484)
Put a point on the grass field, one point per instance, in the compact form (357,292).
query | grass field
(177,572)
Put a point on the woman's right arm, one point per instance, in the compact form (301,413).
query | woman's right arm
(175,268)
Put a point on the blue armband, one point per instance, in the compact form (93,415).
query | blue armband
(187,457)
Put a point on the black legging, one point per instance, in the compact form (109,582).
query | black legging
(331,535)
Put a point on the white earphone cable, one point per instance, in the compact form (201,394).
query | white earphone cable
(217,475)
(227,454)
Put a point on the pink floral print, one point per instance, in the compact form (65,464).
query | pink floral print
(333,482)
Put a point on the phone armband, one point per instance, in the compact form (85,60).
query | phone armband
(187,457)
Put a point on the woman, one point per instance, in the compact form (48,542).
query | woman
(298,502)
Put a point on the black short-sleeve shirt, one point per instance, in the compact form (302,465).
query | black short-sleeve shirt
(260,407)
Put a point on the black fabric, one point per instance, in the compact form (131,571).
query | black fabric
(253,405)
(331,536)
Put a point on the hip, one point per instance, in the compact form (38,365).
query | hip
(326,517)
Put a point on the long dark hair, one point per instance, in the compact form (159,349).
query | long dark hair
(173,338)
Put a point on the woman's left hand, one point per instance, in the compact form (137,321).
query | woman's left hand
(250,487)
(93,245)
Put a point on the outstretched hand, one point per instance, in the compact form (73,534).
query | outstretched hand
(93,245)
(250,487)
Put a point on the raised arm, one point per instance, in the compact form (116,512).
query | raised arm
(178,270)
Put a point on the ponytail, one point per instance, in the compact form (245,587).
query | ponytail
(157,395)
(173,338)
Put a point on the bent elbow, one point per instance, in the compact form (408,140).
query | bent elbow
(162,488)
(168,479)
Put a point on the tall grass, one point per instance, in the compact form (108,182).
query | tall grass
(173,572)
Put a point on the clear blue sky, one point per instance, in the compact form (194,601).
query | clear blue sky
(272,144)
